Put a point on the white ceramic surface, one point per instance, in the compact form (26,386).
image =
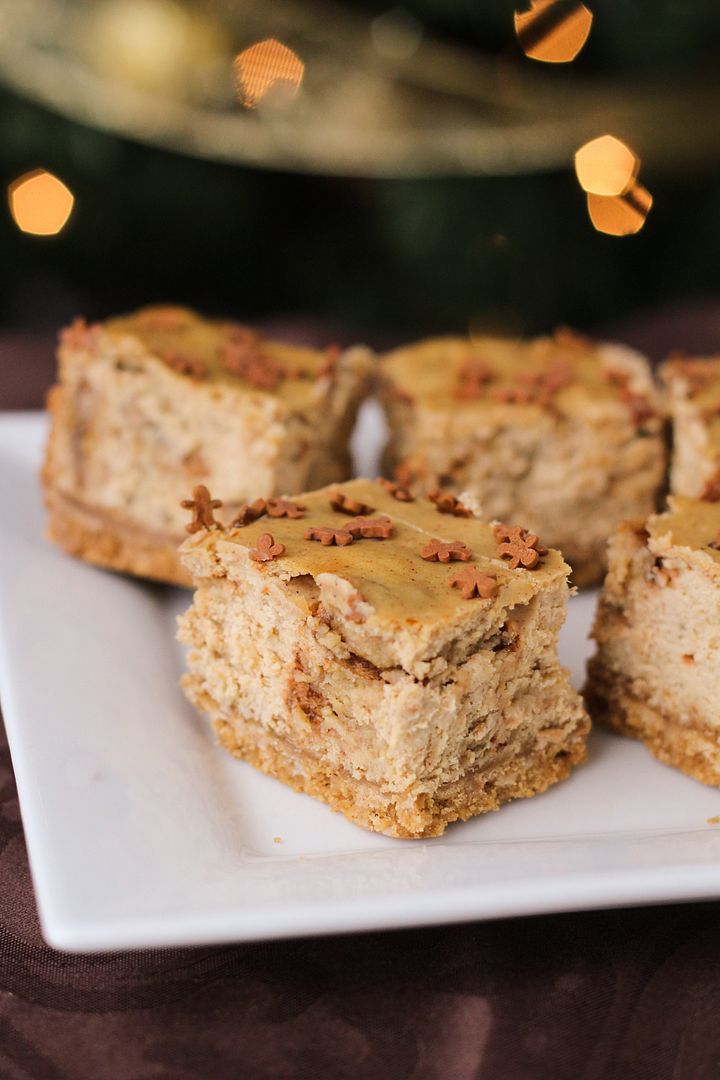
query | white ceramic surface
(141,832)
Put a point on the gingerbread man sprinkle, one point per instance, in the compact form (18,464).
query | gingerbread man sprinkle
(343,504)
(278,508)
(473,582)
(518,545)
(445,503)
(202,505)
(266,548)
(396,490)
(326,535)
(249,512)
(379,528)
(445,551)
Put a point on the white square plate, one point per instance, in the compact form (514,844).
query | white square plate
(142,833)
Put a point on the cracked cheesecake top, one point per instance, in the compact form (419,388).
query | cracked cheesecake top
(215,351)
(382,559)
(565,373)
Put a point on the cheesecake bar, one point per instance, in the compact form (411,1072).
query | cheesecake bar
(151,404)
(693,395)
(656,672)
(560,433)
(391,656)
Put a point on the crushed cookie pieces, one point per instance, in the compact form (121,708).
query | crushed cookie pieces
(327,535)
(266,548)
(698,374)
(521,547)
(184,364)
(473,582)
(445,551)
(278,508)
(202,505)
(396,490)
(343,504)
(445,503)
(379,528)
(472,379)
(78,333)
(248,513)
(661,575)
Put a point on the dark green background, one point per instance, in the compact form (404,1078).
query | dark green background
(379,257)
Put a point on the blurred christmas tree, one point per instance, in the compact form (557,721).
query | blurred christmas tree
(456,203)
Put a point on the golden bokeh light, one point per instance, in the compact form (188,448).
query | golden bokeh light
(620,215)
(267,66)
(553,30)
(606,166)
(40,203)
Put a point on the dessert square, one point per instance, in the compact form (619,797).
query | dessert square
(656,672)
(560,433)
(393,657)
(150,404)
(693,396)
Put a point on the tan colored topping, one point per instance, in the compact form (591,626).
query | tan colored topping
(711,491)
(242,355)
(202,505)
(327,535)
(473,377)
(185,364)
(536,387)
(163,318)
(345,505)
(519,546)
(698,374)
(445,503)
(473,582)
(249,512)
(445,551)
(396,490)
(278,508)
(379,528)
(266,549)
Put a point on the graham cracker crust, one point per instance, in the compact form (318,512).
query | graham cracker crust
(684,744)
(405,815)
(98,538)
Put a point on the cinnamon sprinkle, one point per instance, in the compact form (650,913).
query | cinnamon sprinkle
(396,490)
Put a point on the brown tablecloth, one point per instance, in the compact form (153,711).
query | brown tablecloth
(622,995)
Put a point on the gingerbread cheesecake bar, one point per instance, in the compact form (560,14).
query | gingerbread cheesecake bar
(693,394)
(560,433)
(656,672)
(150,404)
(393,657)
